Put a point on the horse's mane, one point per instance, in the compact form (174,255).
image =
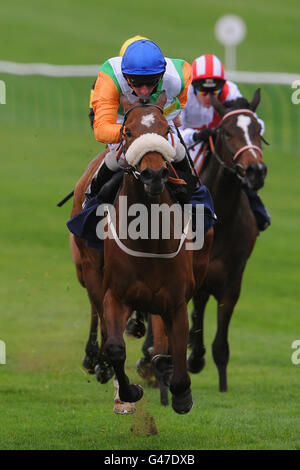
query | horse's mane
(238,103)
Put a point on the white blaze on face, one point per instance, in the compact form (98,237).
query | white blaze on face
(148,120)
(243,122)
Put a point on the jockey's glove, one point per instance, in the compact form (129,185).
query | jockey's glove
(203,136)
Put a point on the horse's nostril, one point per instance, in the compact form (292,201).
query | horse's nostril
(255,175)
(154,180)
(150,176)
(251,168)
(147,176)
(256,169)
(263,169)
(165,174)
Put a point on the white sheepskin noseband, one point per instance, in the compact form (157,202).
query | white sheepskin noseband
(149,143)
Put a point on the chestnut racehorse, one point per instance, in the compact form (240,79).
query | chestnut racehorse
(153,275)
(235,159)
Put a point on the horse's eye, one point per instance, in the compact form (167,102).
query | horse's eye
(227,134)
(128,133)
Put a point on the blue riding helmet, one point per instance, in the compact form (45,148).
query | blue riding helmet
(143,57)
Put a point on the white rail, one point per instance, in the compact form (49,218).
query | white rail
(49,70)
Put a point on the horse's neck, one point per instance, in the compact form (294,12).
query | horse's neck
(225,187)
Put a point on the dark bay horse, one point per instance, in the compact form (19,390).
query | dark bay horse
(236,158)
(153,275)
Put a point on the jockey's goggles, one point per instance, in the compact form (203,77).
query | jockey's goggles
(137,81)
(202,88)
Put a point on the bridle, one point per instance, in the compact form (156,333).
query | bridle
(142,103)
(237,168)
(246,147)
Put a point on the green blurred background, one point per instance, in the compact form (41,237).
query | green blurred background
(46,399)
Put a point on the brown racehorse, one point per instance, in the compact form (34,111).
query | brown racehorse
(145,274)
(237,157)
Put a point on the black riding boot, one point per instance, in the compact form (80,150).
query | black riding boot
(103,175)
(183,193)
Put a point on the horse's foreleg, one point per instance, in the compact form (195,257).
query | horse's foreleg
(115,317)
(162,361)
(196,360)
(220,346)
(177,329)
(144,365)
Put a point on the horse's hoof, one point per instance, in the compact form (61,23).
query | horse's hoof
(195,366)
(163,368)
(89,364)
(223,387)
(139,391)
(135,394)
(104,372)
(144,368)
(164,398)
(124,407)
(136,328)
(183,403)
(222,378)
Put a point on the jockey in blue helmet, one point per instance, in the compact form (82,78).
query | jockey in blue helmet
(143,71)
(143,64)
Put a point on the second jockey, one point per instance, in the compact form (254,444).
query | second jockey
(199,114)
(199,118)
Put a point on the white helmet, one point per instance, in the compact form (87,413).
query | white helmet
(208,71)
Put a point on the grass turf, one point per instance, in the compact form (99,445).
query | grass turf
(46,399)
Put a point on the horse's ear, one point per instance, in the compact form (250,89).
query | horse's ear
(219,107)
(255,100)
(125,103)
(162,99)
